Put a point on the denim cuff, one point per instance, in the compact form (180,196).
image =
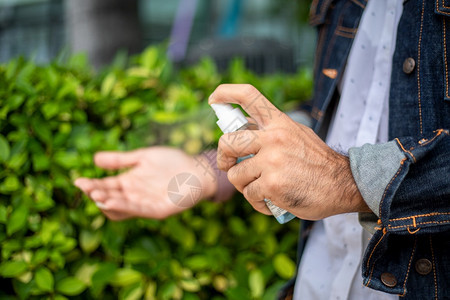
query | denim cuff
(373,167)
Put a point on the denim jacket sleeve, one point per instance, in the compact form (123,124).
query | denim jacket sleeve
(406,183)
(400,179)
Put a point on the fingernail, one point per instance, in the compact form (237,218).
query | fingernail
(77,183)
(210,97)
(100,205)
(96,195)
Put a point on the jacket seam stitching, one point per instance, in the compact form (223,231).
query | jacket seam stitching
(443,4)
(434,269)
(439,132)
(317,16)
(441,11)
(359,4)
(346,29)
(407,151)
(419,223)
(322,36)
(418,67)
(345,35)
(444,31)
(389,185)
(370,257)
(313,15)
(409,266)
(420,216)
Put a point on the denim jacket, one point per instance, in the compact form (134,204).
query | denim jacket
(405,182)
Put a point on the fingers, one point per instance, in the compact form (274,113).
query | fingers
(107,195)
(87,185)
(116,160)
(252,192)
(100,190)
(234,145)
(244,173)
(250,99)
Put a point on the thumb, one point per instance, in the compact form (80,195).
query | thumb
(117,160)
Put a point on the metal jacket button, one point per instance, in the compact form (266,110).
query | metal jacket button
(408,65)
(423,266)
(388,280)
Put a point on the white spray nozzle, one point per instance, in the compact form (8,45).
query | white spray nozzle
(230,119)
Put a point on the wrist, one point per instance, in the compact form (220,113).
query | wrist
(217,186)
(352,200)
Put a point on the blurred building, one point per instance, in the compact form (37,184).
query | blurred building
(266,33)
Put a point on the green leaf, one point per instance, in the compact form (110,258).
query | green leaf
(3,214)
(149,58)
(237,226)
(17,220)
(102,276)
(67,160)
(11,269)
(44,279)
(90,240)
(17,160)
(284,266)
(256,283)
(50,109)
(70,286)
(124,277)
(10,184)
(4,149)
(41,162)
(42,130)
(272,291)
(137,255)
(190,285)
(212,233)
(198,262)
(85,272)
(108,84)
(130,105)
(39,256)
(15,101)
(132,292)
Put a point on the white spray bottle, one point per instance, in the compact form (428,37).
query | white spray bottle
(230,120)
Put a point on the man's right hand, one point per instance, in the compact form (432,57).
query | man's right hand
(143,190)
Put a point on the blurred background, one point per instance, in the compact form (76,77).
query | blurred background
(146,83)
(270,35)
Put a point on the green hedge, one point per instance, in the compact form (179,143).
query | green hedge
(56,244)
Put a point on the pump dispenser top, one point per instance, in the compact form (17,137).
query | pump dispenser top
(230,119)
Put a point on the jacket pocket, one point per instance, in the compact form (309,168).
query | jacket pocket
(443,7)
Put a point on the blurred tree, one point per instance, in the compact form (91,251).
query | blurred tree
(102,27)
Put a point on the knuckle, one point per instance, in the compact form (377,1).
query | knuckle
(272,182)
(275,159)
(249,90)
(280,135)
(225,143)
(219,88)
(223,161)
(221,145)
(249,193)
(231,175)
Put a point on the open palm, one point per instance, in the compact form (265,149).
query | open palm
(143,190)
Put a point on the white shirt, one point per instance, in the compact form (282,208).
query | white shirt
(331,264)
